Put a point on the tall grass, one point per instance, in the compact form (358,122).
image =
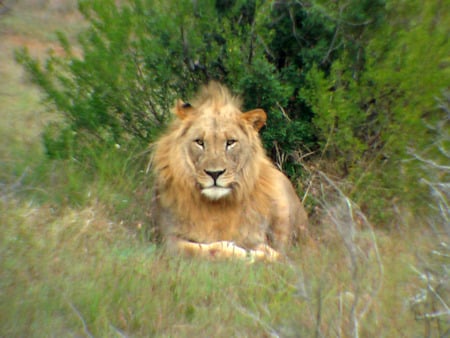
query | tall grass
(71,269)
(431,302)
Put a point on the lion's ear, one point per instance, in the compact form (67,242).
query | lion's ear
(257,118)
(183,109)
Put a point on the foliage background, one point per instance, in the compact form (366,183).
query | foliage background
(339,80)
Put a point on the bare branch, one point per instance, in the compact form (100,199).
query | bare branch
(85,327)
(347,217)
(428,161)
(256,318)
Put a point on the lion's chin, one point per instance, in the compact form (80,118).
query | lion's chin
(216,193)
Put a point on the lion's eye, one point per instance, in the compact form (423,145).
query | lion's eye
(200,142)
(231,143)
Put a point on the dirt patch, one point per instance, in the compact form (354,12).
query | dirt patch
(36,47)
(32,24)
(29,24)
(50,5)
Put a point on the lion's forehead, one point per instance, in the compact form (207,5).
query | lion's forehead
(220,111)
(218,127)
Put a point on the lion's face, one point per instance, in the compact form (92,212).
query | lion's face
(216,151)
(218,145)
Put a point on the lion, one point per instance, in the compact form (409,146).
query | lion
(217,193)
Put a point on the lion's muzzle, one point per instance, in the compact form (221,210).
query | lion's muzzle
(216,190)
(214,174)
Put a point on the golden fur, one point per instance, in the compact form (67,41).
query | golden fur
(217,194)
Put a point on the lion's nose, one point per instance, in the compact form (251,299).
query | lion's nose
(214,174)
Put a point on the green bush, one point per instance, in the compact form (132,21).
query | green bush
(369,123)
(353,83)
(135,59)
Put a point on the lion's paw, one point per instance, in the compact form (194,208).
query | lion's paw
(224,249)
(266,253)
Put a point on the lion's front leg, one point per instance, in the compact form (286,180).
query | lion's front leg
(266,253)
(221,249)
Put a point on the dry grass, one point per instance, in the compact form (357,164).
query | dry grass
(71,272)
(30,24)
